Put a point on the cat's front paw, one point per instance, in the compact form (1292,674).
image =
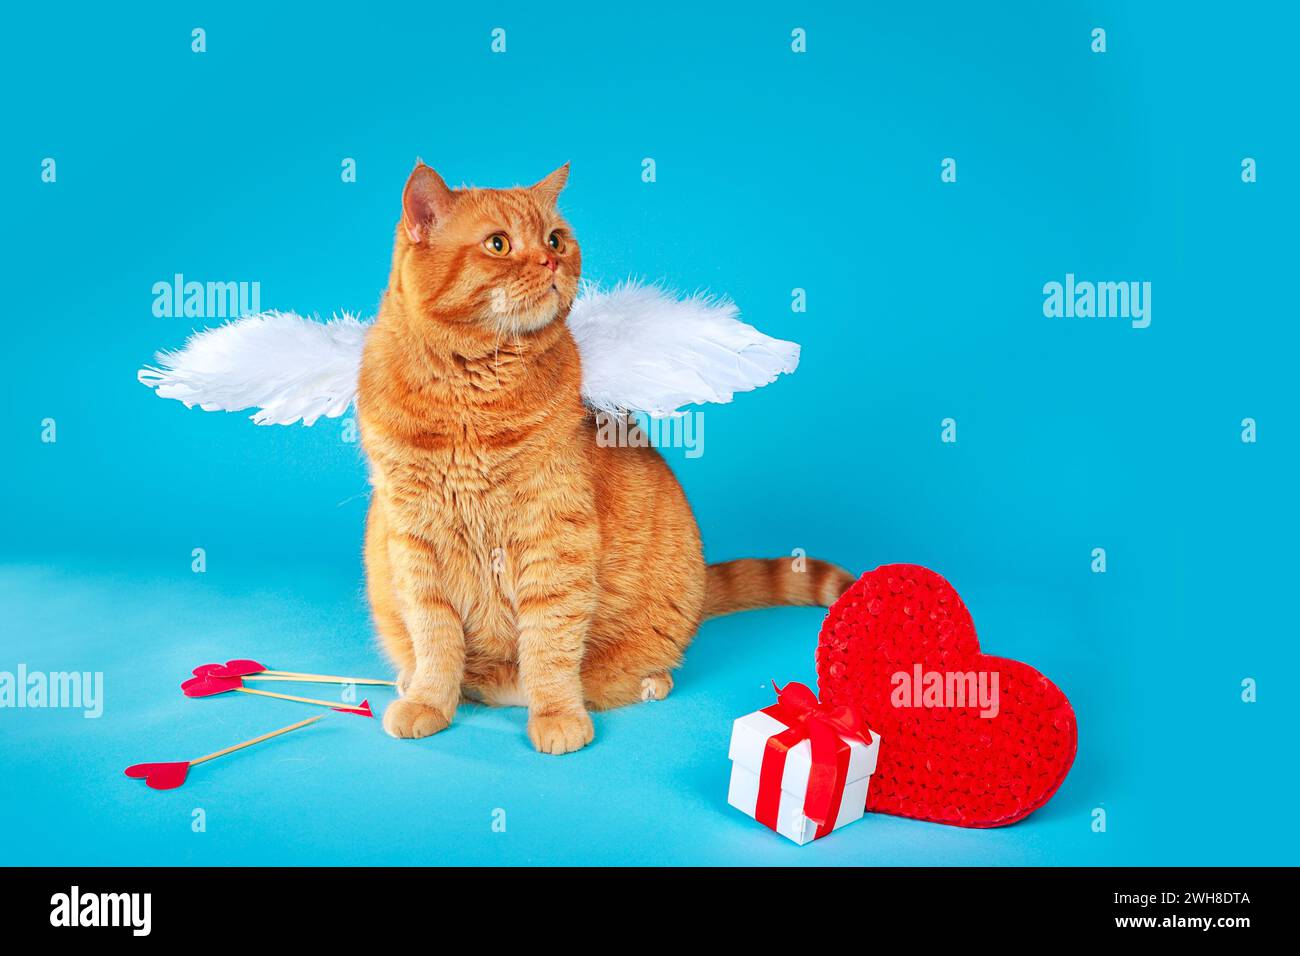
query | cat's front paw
(561,733)
(409,719)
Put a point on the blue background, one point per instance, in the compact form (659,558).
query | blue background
(775,171)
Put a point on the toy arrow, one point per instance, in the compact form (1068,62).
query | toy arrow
(256,671)
(169,776)
(207,684)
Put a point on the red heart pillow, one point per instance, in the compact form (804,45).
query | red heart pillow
(900,646)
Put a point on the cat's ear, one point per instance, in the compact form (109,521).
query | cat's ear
(549,188)
(426,201)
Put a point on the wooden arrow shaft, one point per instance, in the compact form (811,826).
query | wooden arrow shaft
(255,740)
(301,700)
(316,678)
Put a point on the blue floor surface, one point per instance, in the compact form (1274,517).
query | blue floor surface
(650,790)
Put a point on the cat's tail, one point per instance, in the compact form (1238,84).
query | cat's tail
(756,582)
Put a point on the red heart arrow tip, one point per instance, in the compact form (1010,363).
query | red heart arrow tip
(237,668)
(160,776)
(361,710)
(207,685)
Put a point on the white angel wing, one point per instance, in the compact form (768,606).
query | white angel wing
(643,350)
(287,367)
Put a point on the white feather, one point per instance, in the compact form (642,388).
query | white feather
(287,367)
(642,350)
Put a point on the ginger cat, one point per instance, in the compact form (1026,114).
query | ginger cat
(509,557)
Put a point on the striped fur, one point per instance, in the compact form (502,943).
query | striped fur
(751,583)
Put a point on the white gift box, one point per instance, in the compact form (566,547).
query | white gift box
(749,736)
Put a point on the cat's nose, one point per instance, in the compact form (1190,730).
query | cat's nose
(545,259)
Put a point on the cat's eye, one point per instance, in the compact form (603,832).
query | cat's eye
(498,244)
(555,241)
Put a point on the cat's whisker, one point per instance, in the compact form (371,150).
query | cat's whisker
(496,357)
(520,350)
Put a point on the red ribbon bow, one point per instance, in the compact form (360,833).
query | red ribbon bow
(825,728)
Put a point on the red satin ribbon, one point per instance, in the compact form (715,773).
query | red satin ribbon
(824,727)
